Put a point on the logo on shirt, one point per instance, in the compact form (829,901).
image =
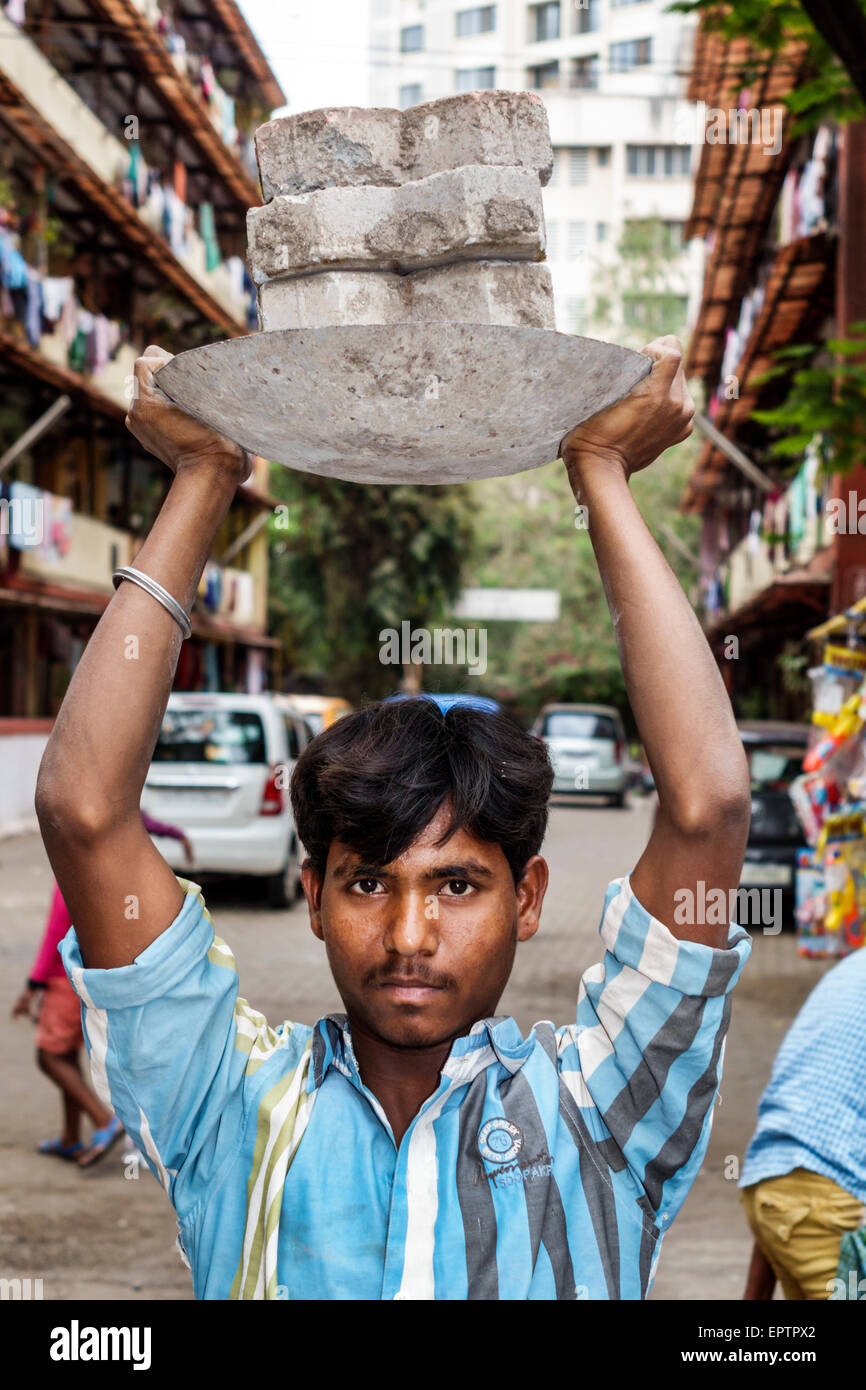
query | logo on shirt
(500,1140)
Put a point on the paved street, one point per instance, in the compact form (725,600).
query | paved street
(106,1234)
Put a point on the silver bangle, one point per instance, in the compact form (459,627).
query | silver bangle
(156,591)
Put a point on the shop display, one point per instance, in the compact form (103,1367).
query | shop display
(830,801)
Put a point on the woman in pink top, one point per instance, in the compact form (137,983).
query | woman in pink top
(58,1045)
(59,1039)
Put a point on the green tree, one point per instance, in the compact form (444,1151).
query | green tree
(350,560)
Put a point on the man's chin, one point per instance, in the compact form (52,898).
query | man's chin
(410,1029)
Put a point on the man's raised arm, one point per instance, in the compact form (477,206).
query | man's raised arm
(120,892)
(674,686)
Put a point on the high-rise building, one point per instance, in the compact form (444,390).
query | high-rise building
(126,170)
(611,74)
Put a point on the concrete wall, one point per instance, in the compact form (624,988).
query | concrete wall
(20,755)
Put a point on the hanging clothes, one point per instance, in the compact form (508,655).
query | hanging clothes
(33,314)
(207,231)
(56,291)
(179,180)
(16,11)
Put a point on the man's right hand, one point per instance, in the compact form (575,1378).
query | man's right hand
(173,436)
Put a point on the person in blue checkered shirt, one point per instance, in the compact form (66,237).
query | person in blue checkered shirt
(416,1145)
(804,1175)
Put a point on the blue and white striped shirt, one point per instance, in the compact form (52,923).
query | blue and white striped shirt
(544,1167)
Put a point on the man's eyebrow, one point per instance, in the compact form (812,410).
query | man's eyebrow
(469,868)
(351,868)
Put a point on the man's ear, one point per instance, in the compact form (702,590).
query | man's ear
(312,885)
(530,896)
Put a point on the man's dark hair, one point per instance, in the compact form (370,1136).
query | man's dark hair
(376,778)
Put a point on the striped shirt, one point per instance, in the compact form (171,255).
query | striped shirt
(545,1167)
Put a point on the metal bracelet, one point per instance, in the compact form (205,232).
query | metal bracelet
(156,591)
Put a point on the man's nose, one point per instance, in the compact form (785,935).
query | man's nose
(413,925)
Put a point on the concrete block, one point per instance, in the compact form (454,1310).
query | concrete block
(474,212)
(508,293)
(379,146)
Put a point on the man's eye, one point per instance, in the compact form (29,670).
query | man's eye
(366,885)
(459,887)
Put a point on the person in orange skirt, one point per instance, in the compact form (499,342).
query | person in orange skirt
(59,1041)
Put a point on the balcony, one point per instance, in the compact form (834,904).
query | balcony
(106,158)
(83,554)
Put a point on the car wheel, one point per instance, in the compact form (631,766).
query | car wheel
(282,888)
(618,800)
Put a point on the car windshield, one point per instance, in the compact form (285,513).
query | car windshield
(210,736)
(773,766)
(314,719)
(578,724)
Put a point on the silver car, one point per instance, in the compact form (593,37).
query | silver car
(587,747)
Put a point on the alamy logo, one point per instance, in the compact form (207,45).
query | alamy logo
(436,646)
(23,518)
(21,1289)
(77,1343)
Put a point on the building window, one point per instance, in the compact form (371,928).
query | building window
(658,161)
(603,156)
(575,315)
(543,76)
(553,248)
(631,53)
(474,79)
(601,231)
(576,239)
(578,164)
(584,72)
(412,38)
(544,22)
(585,18)
(411,94)
(481,20)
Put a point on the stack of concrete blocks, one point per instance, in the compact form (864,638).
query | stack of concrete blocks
(377,216)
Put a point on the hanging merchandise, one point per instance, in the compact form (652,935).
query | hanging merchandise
(830,801)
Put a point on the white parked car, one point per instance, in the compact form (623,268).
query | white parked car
(220,772)
(587,747)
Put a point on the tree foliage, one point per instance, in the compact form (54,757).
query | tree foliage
(353,560)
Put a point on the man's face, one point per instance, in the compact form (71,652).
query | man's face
(422,948)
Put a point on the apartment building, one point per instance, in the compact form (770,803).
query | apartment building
(612,75)
(126,169)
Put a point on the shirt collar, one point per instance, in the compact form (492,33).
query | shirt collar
(490,1040)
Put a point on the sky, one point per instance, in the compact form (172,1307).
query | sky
(316,48)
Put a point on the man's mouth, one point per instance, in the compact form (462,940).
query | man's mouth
(408,989)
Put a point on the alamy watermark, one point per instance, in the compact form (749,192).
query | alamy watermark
(434,647)
(750,125)
(748,907)
(24,518)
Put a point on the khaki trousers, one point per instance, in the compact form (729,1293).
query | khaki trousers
(798,1221)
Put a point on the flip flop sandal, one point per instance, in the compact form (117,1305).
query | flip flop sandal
(59,1150)
(101,1141)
